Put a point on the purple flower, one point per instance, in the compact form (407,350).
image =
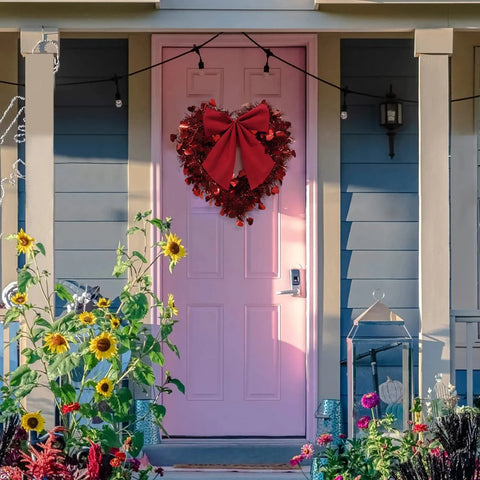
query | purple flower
(370,400)
(363,422)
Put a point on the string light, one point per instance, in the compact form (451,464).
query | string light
(266,68)
(201,65)
(19,137)
(343,112)
(12,179)
(118,98)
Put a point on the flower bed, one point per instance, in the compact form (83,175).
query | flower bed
(87,357)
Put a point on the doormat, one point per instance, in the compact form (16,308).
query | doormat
(234,466)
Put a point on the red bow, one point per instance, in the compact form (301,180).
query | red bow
(220,162)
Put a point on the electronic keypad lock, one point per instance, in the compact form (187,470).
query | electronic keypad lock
(294,284)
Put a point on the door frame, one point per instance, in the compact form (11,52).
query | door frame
(271,40)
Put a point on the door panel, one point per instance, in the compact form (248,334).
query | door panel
(242,346)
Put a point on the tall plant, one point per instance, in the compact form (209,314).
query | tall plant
(88,359)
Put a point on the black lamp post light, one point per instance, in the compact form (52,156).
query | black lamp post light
(391,117)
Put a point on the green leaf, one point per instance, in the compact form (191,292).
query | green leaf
(136,307)
(143,374)
(132,230)
(41,248)
(55,388)
(108,438)
(139,255)
(18,374)
(121,403)
(69,393)
(24,280)
(30,355)
(41,322)
(158,411)
(172,347)
(63,364)
(90,360)
(178,384)
(154,351)
(10,316)
(137,444)
(63,293)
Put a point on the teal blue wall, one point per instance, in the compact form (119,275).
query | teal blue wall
(379,195)
(91,152)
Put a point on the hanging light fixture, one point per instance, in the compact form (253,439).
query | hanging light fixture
(391,117)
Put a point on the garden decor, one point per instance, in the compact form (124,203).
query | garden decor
(206,145)
(84,358)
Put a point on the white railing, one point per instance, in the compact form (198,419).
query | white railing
(9,352)
(465,344)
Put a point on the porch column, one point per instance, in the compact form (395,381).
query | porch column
(39,169)
(433,48)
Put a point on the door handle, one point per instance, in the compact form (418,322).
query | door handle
(294,290)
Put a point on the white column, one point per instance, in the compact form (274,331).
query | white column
(433,48)
(39,170)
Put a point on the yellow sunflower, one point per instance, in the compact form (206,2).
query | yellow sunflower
(88,318)
(173,248)
(104,346)
(171,304)
(56,343)
(25,242)
(104,387)
(19,298)
(103,302)
(114,322)
(33,421)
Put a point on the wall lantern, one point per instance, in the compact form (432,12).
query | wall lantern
(391,117)
(379,359)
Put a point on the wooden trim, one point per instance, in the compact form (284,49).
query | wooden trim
(139,153)
(309,41)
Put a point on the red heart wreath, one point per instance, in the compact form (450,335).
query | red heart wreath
(206,145)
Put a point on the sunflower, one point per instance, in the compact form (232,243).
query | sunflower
(103,302)
(19,298)
(103,346)
(171,304)
(88,318)
(173,248)
(114,322)
(56,343)
(25,242)
(104,387)
(33,421)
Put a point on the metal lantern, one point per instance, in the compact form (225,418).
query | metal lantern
(391,117)
(379,359)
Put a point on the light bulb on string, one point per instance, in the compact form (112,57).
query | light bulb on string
(266,68)
(118,98)
(343,111)
(201,64)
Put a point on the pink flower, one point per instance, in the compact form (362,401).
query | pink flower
(338,477)
(342,436)
(296,460)
(419,427)
(307,450)
(370,400)
(363,422)
(324,439)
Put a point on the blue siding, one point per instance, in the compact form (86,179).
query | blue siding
(91,155)
(379,199)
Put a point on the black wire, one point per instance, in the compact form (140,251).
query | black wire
(268,52)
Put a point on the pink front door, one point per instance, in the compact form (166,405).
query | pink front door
(242,345)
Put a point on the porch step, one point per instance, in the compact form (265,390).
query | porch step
(223,451)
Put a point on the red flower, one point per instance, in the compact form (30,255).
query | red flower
(115,462)
(363,422)
(296,460)
(70,407)
(94,460)
(324,439)
(419,427)
(121,456)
